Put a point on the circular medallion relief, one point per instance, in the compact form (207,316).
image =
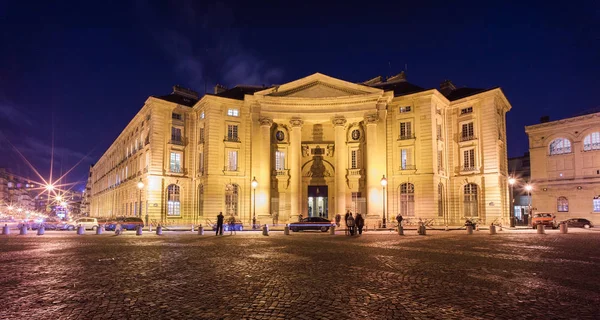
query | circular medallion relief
(279,135)
(355,134)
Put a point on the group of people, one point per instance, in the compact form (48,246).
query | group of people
(221,220)
(354,225)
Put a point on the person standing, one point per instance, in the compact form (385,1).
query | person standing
(399,219)
(350,223)
(338,218)
(359,222)
(346,222)
(220,224)
(232,225)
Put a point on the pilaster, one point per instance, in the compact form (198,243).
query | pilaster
(374,189)
(341,155)
(295,162)
(263,189)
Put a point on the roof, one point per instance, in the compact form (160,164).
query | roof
(400,87)
(238,92)
(588,111)
(182,96)
(460,93)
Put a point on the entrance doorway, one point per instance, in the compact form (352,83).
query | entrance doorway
(317,201)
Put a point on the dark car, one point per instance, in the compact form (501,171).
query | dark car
(579,223)
(237,226)
(311,223)
(127,223)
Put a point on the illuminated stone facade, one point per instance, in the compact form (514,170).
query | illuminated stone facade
(316,146)
(565,167)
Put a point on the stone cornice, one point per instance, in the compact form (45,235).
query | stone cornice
(339,121)
(573,120)
(296,122)
(265,121)
(371,118)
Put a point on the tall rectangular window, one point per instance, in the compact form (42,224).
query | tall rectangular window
(468,132)
(406,159)
(201,138)
(355,162)
(232,132)
(438,131)
(201,162)
(469,159)
(176,134)
(440,159)
(405,130)
(175,162)
(596,204)
(279,160)
(232,160)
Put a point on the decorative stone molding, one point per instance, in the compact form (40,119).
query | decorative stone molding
(339,121)
(305,151)
(296,122)
(330,150)
(264,121)
(371,118)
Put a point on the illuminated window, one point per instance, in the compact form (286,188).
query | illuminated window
(404,109)
(231,199)
(407,199)
(232,161)
(202,115)
(469,160)
(562,204)
(233,112)
(355,159)
(279,160)
(468,132)
(560,146)
(173,203)
(597,204)
(175,162)
(592,141)
(470,204)
(406,162)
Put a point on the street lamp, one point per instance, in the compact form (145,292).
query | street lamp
(140,186)
(512,182)
(383,184)
(49,187)
(10,208)
(254,185)
(59,198)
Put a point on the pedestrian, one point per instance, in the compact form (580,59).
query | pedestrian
(346,222)
(338,218)
(220,224)
(232,225)
(360,223)
(399,219)
(350,224)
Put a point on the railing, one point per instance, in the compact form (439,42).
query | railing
(406,136)
(468,169)
(464,137)
(282,172)
(408,167)
(177,140)
(354,172)
(231,139)
(178,170)
(228,168)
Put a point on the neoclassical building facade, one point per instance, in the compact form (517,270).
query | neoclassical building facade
(565,167)
(316,146)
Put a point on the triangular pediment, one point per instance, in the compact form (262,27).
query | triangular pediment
(318,86)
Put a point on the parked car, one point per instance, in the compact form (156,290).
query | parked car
(311,223)
(544,218)
(28,223)
(127,223)
(52,224)
(579,223)
(238,226)
(87,223)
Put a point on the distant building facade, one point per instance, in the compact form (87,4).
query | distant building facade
(565,166)
(317,146)
(519,168)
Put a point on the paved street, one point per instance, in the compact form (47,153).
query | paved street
(310,275)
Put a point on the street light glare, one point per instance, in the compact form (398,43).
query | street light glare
(49,187)
(528,187)
(59,198)
(512,181)
(64,204)
(140,185)
(254,183)
(384,181)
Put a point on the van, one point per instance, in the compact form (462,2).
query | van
(544,218)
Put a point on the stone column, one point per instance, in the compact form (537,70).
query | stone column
(263,194)
(295,163)
(374,189)
(341,155)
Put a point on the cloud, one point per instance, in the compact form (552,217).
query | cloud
(13,115)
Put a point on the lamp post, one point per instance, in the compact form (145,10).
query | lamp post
(512,182)
(383,184)
(140,186)
(254,185)
(528,187)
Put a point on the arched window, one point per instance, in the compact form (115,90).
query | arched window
(470,205)
(407,199)
(173,202)
(592,142)
(562,204)
(231,199)
(200,200)
(560,146)
(440,200)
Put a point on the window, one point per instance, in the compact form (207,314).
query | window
(202,115)
(562,204)
(233,112)
(407,199)
(405,130)
(440,200)
(176,134)
(470,205)
(597,204)
(176,116)
(440,160)
(592,141)
(175,162)
(469,160)
(200,200)
(466,110)
(201,162)
(232,132)
(560,146)
(231,199)
(404,109)
(468,132)
(201,138)
(232,161)
(173,203)
(279,160)
(438,131)
(406,159)
(355,162)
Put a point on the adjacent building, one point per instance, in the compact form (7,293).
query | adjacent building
(316,146)
(565,166)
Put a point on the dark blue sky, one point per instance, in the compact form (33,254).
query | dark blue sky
(82,70)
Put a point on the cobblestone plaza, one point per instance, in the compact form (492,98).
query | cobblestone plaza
(379,275)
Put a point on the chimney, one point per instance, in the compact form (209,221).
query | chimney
(185,92)
(544,119)
(219,88)
(446,87)
(373,81)
(399,77)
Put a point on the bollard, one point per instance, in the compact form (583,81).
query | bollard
(469,229)
(150,227)
(400,230)
(286,230)
(138,232)
(193,227)
(332,230)
(23,230)
(200,230)
(265,230)
(41,230)
(477,227)
(5,230)
(423,231)
(80,230)
(99,229)
(159,230)
(447,228)
(492,229)
(541,229)
(564,228)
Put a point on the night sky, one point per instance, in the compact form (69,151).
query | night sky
(80,71)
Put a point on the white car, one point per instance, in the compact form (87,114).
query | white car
(87,223)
